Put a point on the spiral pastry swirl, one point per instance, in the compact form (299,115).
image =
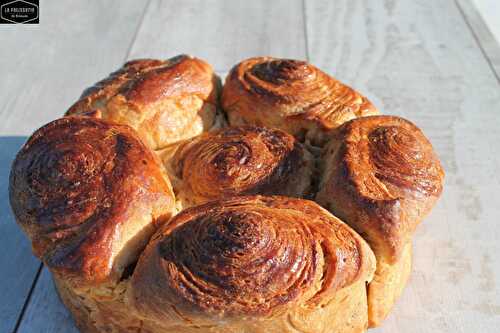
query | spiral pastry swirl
(247,252)
(89,194)
(241,160)
(166,101)
(386,169)
(247,256)
(291,95)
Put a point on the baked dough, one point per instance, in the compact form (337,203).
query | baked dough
(240,161)
(89,194)
(381,176)
(99,188)
(165,101)
(292,95)
(254,264)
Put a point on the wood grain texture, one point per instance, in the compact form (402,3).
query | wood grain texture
(418,59)
(484,36)
(489,11)
(18,267)
(44,69)
(46,313)
(222,32)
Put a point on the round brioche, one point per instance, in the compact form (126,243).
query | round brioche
(89,194)
(254,264)
(380,174)
(165,101)
(292,95)
(240,161)
(90,190)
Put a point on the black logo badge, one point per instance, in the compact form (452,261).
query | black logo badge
(19,11)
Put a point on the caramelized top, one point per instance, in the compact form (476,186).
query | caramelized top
(248,256)
(243,160)
(78,185)
(388,157)
(381,175)
(159,98)
(294,90)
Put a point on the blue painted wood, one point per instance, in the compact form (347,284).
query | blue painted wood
(18,267)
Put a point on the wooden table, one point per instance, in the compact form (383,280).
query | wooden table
(432,61)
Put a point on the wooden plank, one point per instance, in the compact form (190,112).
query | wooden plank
(485,38)
(490,11)
(46,313)
(18,267)
(418,59)
(45,68)
(222,32)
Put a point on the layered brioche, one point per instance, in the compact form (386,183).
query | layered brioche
(165,101)
(240,161)
(380,175)
(292,95)
(89,194)
(156,215)
(254,264)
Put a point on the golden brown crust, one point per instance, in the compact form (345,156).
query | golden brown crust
(292,95)
(95,314)
(387,285)
(241,161)
(247,257)
(381,175)
(165,101)
(345,312)
(89,194)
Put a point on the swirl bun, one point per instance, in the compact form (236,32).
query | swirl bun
(291,95)
(254,264)
(165,101)
(89,194)
(238,161)
(381,175)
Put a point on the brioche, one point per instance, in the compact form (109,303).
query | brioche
(165,101)
(380,175)
(89,194)
(254,264)
(240,161)
(157,211)
(291,95)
